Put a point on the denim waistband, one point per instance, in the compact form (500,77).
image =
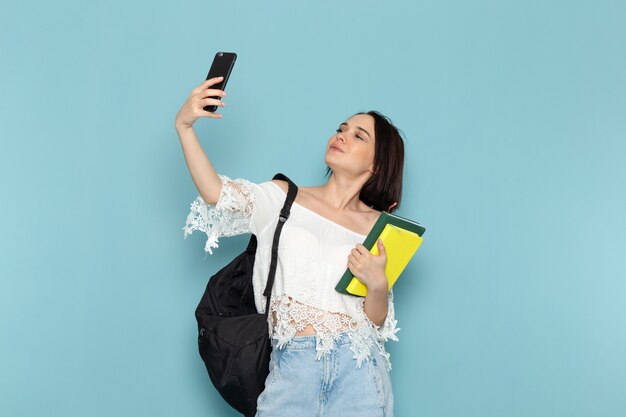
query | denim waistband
(310,342)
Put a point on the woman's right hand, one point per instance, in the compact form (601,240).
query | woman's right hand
(197,100)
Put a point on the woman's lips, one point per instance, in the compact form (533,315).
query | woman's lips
(336,148)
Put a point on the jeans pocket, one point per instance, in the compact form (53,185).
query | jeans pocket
(271,377)
(373,366)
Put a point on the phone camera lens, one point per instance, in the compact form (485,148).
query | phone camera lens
(220,54)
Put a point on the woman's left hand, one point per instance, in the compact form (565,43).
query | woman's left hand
(369,268)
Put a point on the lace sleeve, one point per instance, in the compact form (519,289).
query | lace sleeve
(230,216)
(387,331)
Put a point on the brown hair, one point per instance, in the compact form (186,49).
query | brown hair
(383,191)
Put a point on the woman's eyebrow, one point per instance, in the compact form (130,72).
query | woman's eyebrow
(358,127)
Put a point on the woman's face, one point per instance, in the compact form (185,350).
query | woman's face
(352,147)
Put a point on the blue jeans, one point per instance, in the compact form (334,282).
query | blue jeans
(298,385)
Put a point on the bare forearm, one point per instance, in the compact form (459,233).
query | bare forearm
(202,171)
(375,305)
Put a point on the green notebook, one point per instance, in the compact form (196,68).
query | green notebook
(401,238)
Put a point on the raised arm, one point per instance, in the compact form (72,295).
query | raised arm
(202,171)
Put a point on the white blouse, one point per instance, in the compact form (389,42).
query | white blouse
(312,256)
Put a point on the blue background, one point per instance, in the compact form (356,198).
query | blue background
(513,113)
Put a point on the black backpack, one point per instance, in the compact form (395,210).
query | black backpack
(233,337)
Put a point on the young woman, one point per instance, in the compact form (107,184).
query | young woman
(328,355)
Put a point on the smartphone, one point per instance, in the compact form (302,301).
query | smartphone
(221,67)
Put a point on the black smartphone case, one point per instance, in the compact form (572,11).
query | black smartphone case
(221,67)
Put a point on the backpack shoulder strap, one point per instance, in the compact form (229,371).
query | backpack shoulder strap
(284,215)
